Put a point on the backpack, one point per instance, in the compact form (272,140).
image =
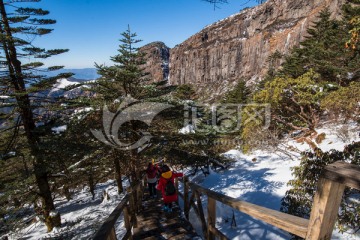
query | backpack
(170,188)
(151,173)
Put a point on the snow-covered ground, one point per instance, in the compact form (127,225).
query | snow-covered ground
(80,217)
(260,178)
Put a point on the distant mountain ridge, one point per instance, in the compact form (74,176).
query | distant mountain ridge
(80,73)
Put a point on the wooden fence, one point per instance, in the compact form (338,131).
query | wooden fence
(334,178)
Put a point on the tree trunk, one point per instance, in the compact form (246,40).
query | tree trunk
(25,110)
(91,185)
(118,175)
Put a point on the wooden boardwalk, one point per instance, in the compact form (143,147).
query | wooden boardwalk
(154,223)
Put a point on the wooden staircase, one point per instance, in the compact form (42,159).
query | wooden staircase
(154,223)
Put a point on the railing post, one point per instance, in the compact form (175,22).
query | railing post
(139,197)
(176,182)
(325,209)
(127,221)
(201,214)
(132,206)
(112,235)
(186,198)
(211,218)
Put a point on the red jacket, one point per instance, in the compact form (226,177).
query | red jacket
(162,183)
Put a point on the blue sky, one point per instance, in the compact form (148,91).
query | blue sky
(91,28)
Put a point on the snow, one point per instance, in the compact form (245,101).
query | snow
(82,110)
(53,213)
(60,129)
(62,84)
(259,178)
(4,97)
(187,129)
(80,217)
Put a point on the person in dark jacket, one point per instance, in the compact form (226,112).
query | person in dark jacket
(151,176)
(166,187)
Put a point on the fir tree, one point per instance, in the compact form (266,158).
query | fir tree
(323,51)
(126,76)
(23,84)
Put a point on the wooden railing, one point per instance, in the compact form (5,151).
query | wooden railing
(130,205)
(333,180)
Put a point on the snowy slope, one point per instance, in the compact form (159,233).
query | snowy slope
(80,217)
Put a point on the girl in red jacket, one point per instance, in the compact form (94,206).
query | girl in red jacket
(167,187)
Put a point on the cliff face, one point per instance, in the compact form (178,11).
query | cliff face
(157,60)
(239,46)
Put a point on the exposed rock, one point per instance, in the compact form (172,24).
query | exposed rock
(239,46)
(157,61)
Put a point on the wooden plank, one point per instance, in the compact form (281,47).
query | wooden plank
(176,183)
(127,223)
(287,222)
(192,204)
(112,235)
(106,227)
(211,208)
(325,209)
(186,197)
(342,172)
(218,233)
(201,214)
(132,207)
(128,235)
(139,197)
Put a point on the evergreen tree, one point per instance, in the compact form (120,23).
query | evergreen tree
(238,95)
(126,76)
(23,86)
(119,82)
(323,51)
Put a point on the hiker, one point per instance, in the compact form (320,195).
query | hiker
(151,173)
(167,187)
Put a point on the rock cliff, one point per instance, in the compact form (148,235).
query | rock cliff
(238,47)
(157,60)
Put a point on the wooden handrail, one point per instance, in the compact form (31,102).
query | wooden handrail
(287,222)
(129,205)
(106,228)
(324,212)
(342,172)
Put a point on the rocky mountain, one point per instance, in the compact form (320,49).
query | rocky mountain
(239,46)
(157,56)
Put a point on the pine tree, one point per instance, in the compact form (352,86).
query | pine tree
(126,76)
(22,84)
(323,51)
(238,95)
(124,79)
